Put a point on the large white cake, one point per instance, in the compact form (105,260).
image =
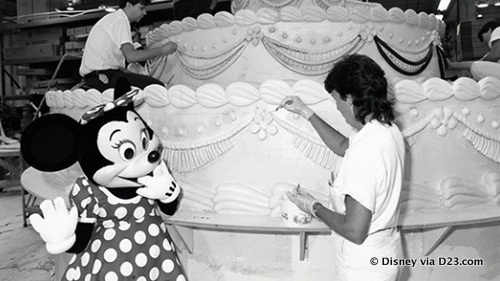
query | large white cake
(293,42)
(234,154)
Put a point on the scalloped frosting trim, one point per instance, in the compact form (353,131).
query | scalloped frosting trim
(436,89)
(238,94)
(245,17)
(242,94)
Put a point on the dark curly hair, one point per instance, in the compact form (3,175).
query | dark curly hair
(491,25)
(362,78)
(122,3)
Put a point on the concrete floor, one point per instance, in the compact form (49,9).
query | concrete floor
(22,252)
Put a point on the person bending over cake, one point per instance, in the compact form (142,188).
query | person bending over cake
(489,64)
(110,45)
(365,194)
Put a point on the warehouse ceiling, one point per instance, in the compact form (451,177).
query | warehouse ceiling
(428,6)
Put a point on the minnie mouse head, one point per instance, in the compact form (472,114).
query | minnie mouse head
(112,143)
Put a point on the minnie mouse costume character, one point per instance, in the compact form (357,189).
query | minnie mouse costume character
(113,226)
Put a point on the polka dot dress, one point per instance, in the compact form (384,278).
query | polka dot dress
(130,241)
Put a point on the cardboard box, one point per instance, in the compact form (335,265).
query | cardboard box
(81,30)
(70,31)
(74,45)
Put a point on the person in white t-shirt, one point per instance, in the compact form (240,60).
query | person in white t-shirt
(365,195)
(109,47)
(489,65)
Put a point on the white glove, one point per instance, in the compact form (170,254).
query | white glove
(160,186)
(58,225)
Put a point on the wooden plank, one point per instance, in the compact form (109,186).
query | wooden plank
(445,218)
(441,223)
(262,224)
(435,219)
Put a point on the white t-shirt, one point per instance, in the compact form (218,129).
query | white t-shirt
(372,174)
(102,49)
(495,35)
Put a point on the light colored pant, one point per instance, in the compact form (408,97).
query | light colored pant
(481,69)
(357,262)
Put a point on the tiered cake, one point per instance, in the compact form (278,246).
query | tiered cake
(235,155)
(295,40)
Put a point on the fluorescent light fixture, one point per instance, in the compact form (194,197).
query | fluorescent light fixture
(443,5)
(479,16)
(440,16)
(497,3)
(106,8)
(482,4)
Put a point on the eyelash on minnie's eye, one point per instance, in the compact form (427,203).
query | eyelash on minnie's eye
(117,145)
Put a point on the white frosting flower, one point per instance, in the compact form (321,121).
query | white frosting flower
(262,124)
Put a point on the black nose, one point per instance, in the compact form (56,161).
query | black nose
(154,156)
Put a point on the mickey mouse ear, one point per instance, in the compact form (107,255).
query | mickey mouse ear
(122,87)
(49,143)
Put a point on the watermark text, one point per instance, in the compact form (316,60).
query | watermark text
(427,261)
